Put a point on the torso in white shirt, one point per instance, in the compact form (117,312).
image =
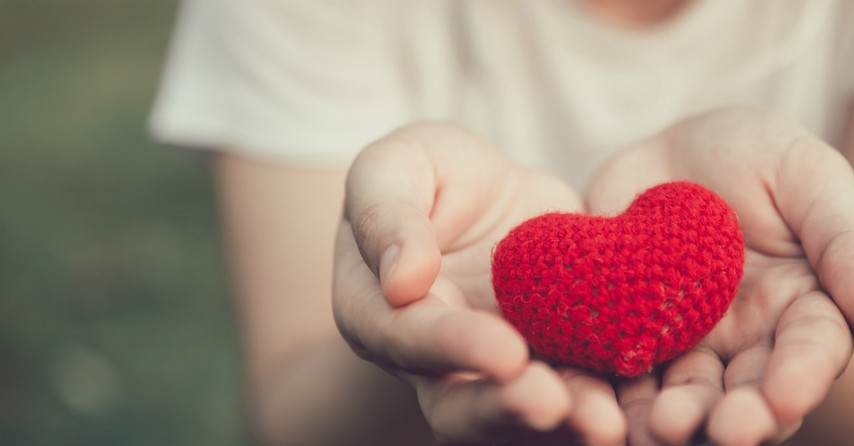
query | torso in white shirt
(546,80)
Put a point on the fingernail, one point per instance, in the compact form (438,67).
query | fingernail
(388,261)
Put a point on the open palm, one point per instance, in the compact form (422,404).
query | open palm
(412,288)
(775,353)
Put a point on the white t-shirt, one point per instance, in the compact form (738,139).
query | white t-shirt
(546,80)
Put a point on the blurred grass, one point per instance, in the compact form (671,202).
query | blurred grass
(115,327)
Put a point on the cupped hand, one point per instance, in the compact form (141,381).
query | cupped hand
(774,355)
(412,288)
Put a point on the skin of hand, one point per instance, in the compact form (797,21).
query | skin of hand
(775,354)
(412,289)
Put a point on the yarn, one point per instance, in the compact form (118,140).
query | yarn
(621,294)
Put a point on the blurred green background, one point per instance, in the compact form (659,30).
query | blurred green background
(115,325)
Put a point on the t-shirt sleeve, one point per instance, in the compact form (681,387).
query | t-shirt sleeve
(845,49)
(295,80)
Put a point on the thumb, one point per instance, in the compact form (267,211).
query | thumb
(390,194)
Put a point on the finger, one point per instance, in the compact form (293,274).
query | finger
(691,386)
(390,193)
(743,416)
(431,337)
(428,336)
(815,195)
(636,398)
(595,414)
(421,190)
(813,346)
(464,409)
(747,367)
(608,197)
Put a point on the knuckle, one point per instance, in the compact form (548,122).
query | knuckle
(366,221)
(367,224)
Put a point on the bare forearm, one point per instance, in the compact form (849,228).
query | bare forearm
(848,144)
(328,396)
(304,384)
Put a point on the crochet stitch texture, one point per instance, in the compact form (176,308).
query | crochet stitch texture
(619,295)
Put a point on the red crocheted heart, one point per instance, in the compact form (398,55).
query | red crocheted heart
(622,294)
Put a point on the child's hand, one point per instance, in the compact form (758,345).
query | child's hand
(412,289)
(775,354)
